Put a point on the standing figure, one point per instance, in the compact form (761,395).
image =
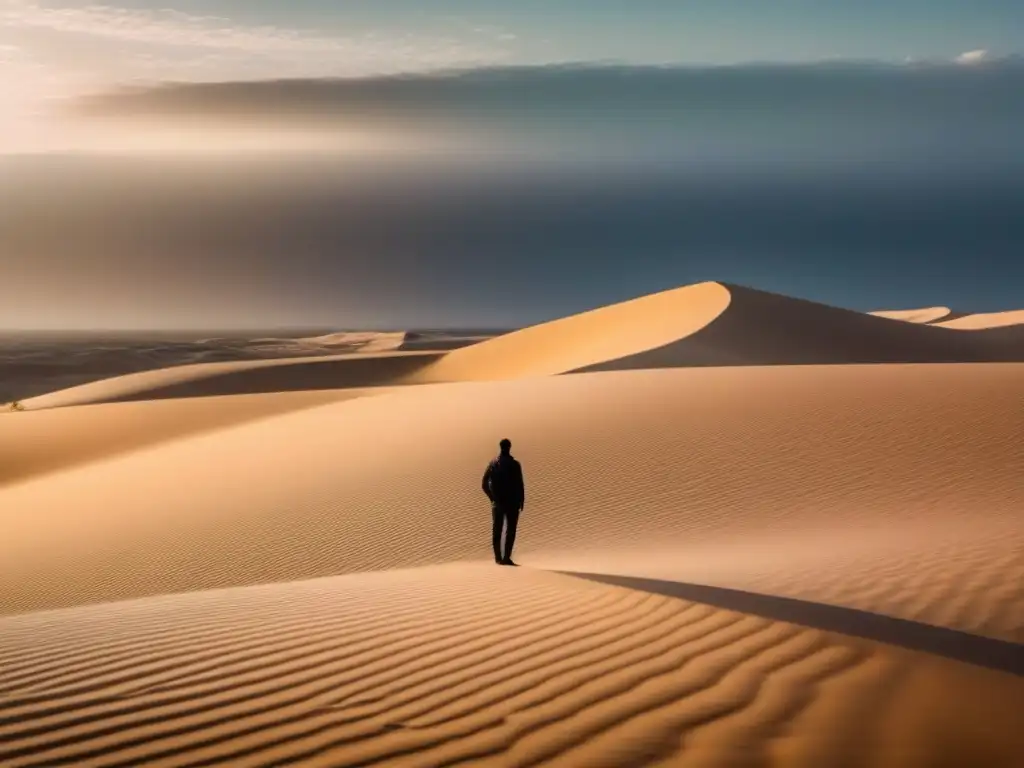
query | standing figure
(503,484)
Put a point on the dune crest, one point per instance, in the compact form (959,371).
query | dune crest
(599,335)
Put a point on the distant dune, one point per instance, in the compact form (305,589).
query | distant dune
(945,318)
(36,366)
(923,315)
(758,531)
(985,321)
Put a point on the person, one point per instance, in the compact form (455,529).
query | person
(503,484)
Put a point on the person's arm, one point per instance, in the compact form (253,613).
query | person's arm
(486,484)
(522,489)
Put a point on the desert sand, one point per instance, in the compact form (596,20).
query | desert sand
(739,547)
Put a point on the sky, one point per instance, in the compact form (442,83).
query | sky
(234,163)
(51,50)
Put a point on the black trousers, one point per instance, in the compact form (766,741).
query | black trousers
(509,516)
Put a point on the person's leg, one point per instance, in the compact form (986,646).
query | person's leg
(496,520)
(512,522)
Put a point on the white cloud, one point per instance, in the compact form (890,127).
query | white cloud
(972,57)
(161,27)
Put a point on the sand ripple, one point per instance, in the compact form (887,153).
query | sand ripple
(474,665)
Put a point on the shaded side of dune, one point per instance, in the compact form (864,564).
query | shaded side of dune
(446,340)
(761,328)
(351,371)
(30,370)
(307,375)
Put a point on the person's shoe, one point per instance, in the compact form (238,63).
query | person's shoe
(507,561)
(498,560)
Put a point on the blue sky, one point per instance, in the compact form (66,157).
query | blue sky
(701,31)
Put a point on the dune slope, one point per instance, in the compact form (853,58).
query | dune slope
(606,333)
(47,440)
(886,488)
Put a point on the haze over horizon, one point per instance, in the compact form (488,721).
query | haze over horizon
(310,164)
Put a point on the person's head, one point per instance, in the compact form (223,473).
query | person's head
(505,445)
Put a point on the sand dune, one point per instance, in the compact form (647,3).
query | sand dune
(428,668)
(984,321)
(43,364)
(714,324)
(768,478)
(245,377)
(922,315)
(608,333)
(365,341)
(399,341)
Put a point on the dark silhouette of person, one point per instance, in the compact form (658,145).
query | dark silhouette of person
(503,484)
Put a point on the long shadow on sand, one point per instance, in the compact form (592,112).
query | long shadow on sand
(953,644)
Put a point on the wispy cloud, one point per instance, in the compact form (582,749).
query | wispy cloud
(51,50)
(158,26)
(167,28)
(972,57)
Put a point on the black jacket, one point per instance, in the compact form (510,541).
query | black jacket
(503,483)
